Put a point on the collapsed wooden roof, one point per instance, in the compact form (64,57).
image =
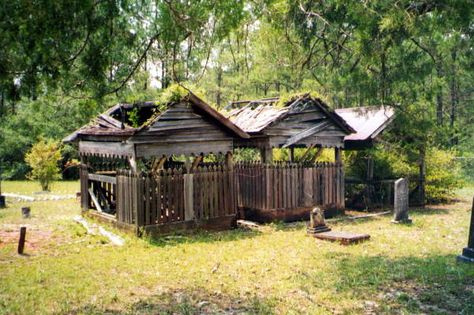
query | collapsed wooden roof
(189,126)
(368,122)
(303,120)
(110,124)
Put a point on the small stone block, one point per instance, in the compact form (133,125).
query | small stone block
(345,238)
(25,211)
(318,229)
(467,255)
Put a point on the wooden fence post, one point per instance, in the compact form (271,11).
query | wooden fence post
(21,242)
(138,198)
(340,172)
(188,197)
(84,178)
(266,154)
(308,186)
(369,179)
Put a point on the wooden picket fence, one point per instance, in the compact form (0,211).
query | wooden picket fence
(212,192)
(175,196)
(289,185)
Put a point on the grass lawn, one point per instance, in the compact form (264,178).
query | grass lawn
(277,269)
(33,188)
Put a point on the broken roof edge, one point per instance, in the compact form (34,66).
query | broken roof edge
(130,131)
(284,110)
(388,113)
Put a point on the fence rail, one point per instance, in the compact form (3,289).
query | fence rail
(289,186)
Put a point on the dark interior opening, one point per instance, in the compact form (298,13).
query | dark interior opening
(135,115)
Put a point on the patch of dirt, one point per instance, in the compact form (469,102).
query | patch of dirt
(35,238)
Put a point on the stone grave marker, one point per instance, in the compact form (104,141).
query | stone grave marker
(400,207)
(316,222)
(468,252)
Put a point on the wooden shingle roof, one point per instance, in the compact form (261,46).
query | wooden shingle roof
(257,115)
(109,124)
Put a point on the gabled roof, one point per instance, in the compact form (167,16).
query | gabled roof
(367,121)
(228,124)
(106,125)
(257,115)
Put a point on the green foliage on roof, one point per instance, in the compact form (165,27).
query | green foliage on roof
(287,98)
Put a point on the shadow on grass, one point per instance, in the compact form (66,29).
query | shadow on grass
(436,284)
(287,226)
(196,301)
(202,236)
(429,211)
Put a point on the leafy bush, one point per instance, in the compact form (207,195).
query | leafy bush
(388,164)
(43,158)
(443,175)
(246,154)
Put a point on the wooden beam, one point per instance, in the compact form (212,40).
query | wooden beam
(338,155)
(306,153)
(158,164)
(306,133)
(318,154)
(133,164)
(292,154)
(106,148)
(186,148)
(103,178)
(95,200)
(229,161)
(196,162)
(266,155)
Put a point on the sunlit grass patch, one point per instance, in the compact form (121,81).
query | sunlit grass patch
(33,188)
(276,269)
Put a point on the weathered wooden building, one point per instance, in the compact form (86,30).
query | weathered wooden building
(286,190)
(130,174)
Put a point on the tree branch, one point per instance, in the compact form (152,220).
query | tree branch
(137,64)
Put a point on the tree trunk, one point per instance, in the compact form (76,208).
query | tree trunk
(439,97)
(145,87)
(454,101)
(219,87)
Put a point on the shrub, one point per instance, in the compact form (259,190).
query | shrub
(443,175)
(43,159)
